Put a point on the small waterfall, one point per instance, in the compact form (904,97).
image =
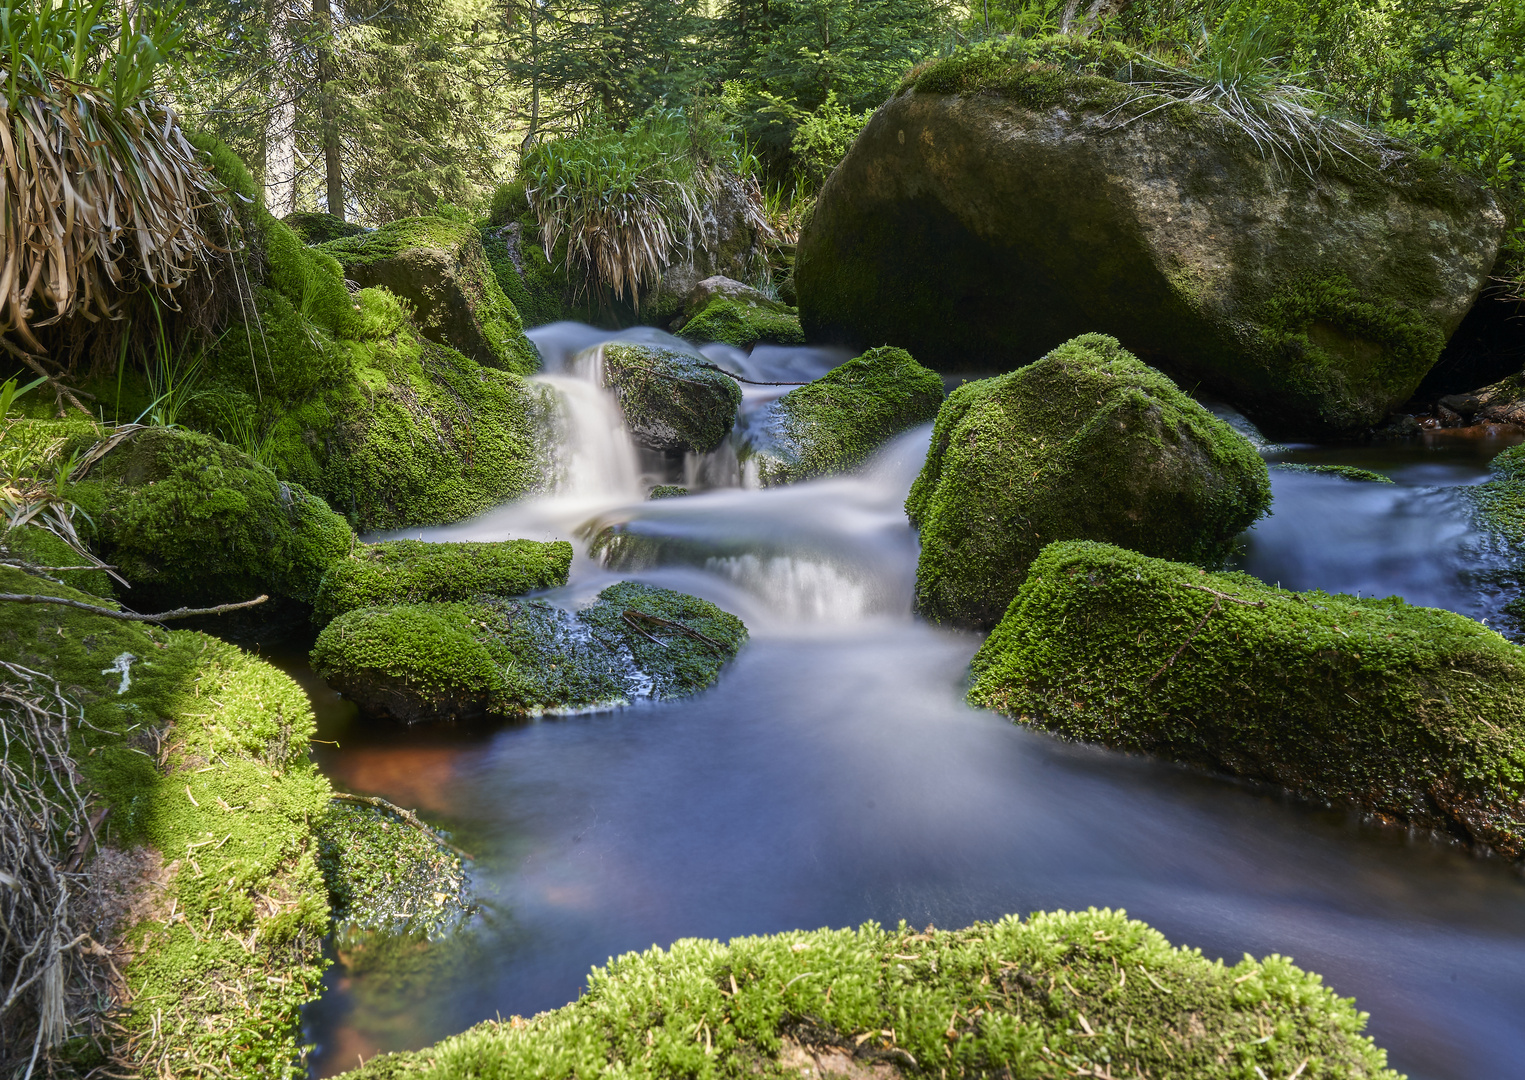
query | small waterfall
(595,459)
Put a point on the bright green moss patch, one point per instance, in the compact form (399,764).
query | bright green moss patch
(742,324)
(316,227)
(385,876)
(200,751)
(42,550)
(1413,714)
(1346,472)
(835,423)
(671,399)
(440,268)
(1062,994)
(413,571)
(1087,443)
(188,519)
(667,491)
(531,284)
(1500,503)
(1036,73)
(516,658)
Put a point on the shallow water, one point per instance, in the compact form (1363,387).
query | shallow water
(834,775)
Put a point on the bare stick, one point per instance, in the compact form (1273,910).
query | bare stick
(58,388)
(631,615)
(1226,596)
(1217,605)
(406,815)
(131,616)
(750,382)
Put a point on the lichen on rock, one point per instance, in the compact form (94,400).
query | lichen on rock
(671,398)
(1087,443)
(1058,994)
(497,657)
(834,424)
(415,571)
(1414,715)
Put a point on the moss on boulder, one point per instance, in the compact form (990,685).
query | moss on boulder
(1087,443)
(835,423)
(1500,503)
(1013,196)
(439,267)
(189,520)
(414,571)
(1415,715)
(720,309)
(1040,997)
(496,657)
(317,227)
(200,751)
(672,399)
(1344,472)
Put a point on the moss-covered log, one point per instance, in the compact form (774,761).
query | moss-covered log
(835,423)
(1059,995)
(413,572)
(1086,444)
(1414,715)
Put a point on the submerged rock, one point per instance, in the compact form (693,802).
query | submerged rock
(496,657)
(414,571)
(835,423)
(720,309)
(439,267)
(1415,715)
(996,207)
(670,398)
(1087,443)
(1050,996)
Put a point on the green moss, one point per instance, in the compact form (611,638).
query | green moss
(517,658)
(538,292)
(200,751)
(1500,503)
(37,547)
(1087,443)
(510,201)
(743,325)
(316,227)
(412,571)
(440,268)
(671,399)
(835,423)
(385,876)
(1061,994)
(1413,714)
(1347,472)
(1036,73)
(667,491)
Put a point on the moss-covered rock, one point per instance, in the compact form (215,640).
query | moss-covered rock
(200,752)
(497,657)
(538,290)
(414,572)
(720,309)
(1415,715)
(667,491)
(189,520)
(1500,503)
(1001,204)
(439,267)
(1060,994)
(1344,472)
(1086,444)
(672,399)
(383,875)
(1502,402)
(835,423)
(317,227)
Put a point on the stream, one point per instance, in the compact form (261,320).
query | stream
(835,776)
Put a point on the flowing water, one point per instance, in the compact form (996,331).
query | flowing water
(834,775)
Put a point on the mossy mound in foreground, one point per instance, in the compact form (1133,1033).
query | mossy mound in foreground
(439,267)
(1088,443)
(671,398)
(414,571)
(514,658)
(743,322)
(1060,995)
(200,752)
(1412,714)
(187,519)
(835,423)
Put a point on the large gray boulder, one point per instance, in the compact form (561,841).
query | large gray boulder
(994,209)
(672,398)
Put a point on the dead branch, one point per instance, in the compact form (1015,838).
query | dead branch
(405,815)
(632,616)
(1217,605)
(749,382)
(131,616)
(1226,596)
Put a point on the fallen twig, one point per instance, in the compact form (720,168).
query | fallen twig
(1226,596)
(406,815)
(632,616)
(750,382)
(131,616)
(1217,605)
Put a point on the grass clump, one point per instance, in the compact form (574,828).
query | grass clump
(1042,997)
(834,424)
(413,571)
(1410,714)
(1086,443)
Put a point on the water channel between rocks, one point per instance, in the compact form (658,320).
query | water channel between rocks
(834,775)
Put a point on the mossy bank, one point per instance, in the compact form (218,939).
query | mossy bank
(1414,715)
(1057,995)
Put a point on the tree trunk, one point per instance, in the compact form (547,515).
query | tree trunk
(280,121)
(323,15)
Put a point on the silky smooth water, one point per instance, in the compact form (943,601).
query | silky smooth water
(834,775)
